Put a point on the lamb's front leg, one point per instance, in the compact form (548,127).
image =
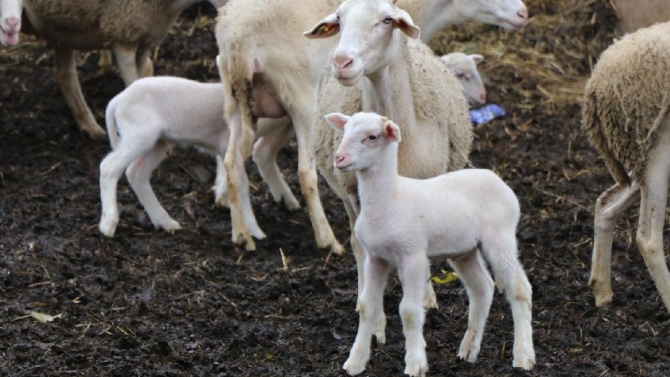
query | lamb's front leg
(413,272)
(371,309)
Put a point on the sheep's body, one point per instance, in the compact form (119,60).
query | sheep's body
(10,21)
(131,28)
(634,14)
(149,116)
(467,216)
(255,36)
(626,114)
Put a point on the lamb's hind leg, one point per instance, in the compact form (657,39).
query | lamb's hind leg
(66,78)
(609,207)
(472,272)
(139,174)
(653,205)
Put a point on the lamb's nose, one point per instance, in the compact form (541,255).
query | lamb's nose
(482,97)
(523,14)
(12,22)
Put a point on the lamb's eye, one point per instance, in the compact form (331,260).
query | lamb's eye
(372,137)
(460,75)
(388,20)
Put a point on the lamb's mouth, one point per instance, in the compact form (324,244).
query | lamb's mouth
(8,38)
(512,25)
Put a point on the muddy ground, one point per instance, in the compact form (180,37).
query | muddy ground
(149,303)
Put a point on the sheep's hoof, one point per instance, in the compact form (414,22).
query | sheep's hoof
(291,203)
(524,362)
(96,132)
(354,366)
(244,240)
(107,226)
(169,225)
(417,366)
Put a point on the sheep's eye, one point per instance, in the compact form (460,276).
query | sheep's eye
(460,75)
(372,137)
(388,20)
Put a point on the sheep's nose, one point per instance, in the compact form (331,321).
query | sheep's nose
(339,158)
(523,14)
(482,97)
(342,61)
(12,22)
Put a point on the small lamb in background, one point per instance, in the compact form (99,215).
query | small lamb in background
(465,68)
(469,216)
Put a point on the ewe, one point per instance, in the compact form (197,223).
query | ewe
(626,112)
(130,28)
(10,21)
(257,39)
(468,216)
(150,115)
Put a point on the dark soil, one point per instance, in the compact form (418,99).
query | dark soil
(152,303)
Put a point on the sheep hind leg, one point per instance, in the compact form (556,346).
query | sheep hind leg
(472,272)
(145,67)
(139,174)
(609,207)
(653,205)
(105,62)
(126,58)
(502,254)
(68,82)
(265,157)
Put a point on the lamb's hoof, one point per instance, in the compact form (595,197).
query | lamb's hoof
(221,197)
(524,362)
(95,132)
(258,233)
(335,247)
(430,301)
(354,366)
(108,225)
(168,225)
(603,295)
(244,240)
(467,355)
(417,366)
(291,203)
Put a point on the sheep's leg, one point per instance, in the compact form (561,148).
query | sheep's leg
(413,274)
(66,78)
(111,169)
(302,122)
(238,184)
(145,67)
(501,252)
(105,62)
(265,157)
(371,309)
(127,61)
(654,200)
(472,272)
(139,174)
(220,187)
(609,207)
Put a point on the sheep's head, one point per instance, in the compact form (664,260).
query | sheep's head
(10,21)
(465,69)
(366,32)
(364,135)
(508,14)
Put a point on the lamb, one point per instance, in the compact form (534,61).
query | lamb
(626,114)
(10,21)
(131,28)
(465,69)
(145,120)
(468,216)
(255,35)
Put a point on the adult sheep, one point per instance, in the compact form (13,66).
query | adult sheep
(626,114)
(130,28)
(254,38)
(10,21)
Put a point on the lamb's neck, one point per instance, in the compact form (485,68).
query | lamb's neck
(388,91)
(432,15)
(179,5)
(378,184)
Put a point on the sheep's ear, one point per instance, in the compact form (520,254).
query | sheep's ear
(404,22)
(326,28)
(337,120)
(391,130)
(477,58)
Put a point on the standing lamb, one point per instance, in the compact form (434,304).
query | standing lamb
(131,28)
(465,69)
(627,116)
(468,216)
(148,117)
(258,40)
(10,21)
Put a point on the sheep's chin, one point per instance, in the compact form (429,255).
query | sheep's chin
(9,39)
(348,81)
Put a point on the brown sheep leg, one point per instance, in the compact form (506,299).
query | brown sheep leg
(609,207)
(126,59)
(66,78)
(105,63)
(145,67)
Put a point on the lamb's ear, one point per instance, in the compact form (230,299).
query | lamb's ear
(337,120)
(326,28)
(477,58)
(404,22)
(391,129)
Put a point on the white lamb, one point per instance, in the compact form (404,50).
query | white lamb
(626,113)
(468,216)
(465,69)
(10,21)
(260,42)
(146,119)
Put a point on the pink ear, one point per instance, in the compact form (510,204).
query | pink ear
(326,28)
(477,58)
(337,120)
(392,131)
(404,22)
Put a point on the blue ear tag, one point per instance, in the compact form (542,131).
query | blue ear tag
(486,113)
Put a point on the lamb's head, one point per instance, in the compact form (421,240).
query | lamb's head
(10,21)
(366,30)
(508,14)
(365,136)
(465,68)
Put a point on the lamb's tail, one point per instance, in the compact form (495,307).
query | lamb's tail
(594,125)
(110,119)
